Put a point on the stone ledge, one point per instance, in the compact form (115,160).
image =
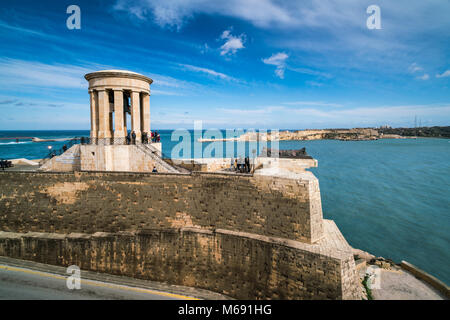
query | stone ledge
(428,278)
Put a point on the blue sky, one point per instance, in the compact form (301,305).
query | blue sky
(261,64)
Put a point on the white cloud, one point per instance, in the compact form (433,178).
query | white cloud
(444,74)
(414,67)
(207,71)
(314,83)
(165,93)
(259,111)
(30,73)
(278,60)
(175,13)
(313,103)
(311,72)
(232,43)
(424,77)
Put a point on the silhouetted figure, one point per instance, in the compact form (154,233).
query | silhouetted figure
(64,148)
(133,137)
(241,165)
(144,138)
(247,164)
(128,138)
(154,169)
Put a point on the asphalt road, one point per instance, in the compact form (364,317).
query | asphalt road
(17,283)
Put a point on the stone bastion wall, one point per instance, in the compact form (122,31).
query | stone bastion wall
(244,236)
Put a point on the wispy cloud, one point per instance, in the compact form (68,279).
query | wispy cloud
(310,72)
(31,74)
(444,74)
(165,93)
(423,77)
(42,104)
(260,111)
(278,60)
(414,67)
(313,103)
(8,101)
(175,13)
(26,31)
(232,43)
(206,71)
(15,72)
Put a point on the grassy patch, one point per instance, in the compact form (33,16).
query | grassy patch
(366,286)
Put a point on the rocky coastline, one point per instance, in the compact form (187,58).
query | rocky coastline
(355,134)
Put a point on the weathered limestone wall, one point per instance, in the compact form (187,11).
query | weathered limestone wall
(111,202)
(117,158)
(244,236)
(240,265)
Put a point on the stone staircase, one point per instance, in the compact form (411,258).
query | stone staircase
(153,153)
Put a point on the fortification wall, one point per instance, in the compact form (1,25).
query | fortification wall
(243,236)
(111,202)
(240,265)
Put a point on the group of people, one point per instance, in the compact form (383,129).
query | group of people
(131,137)
(241,165)
(156,137)
(5,164)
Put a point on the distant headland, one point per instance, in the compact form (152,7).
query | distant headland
(355,134)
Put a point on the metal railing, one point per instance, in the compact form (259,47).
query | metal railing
(113,141)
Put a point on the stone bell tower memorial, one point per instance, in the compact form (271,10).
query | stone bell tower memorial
(113,95)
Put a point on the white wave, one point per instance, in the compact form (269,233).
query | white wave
(13,142)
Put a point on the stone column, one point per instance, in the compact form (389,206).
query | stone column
(104,129)
(146,113)
(136,115)
(119,130)
(94,114)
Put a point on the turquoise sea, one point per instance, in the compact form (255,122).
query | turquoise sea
(388,197)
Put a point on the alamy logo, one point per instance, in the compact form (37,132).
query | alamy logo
(74,280)
(374,20)
(74,20)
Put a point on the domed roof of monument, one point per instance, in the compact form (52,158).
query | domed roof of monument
(117,73)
